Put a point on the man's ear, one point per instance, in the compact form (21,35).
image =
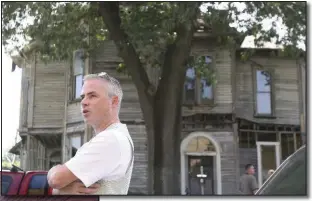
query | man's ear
(115,101)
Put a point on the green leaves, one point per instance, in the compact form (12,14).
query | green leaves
(203,69)
(292,14)
(150,26)
(100,37)
(63,27)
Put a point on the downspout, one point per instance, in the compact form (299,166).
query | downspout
(87,70)
(302,96)
(64,135)
(30,109)
(87,130)
(235,124)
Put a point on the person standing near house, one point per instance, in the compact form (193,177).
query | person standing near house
(248,183)
(270,172)
(104,164)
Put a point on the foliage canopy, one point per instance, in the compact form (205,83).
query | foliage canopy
(150,26)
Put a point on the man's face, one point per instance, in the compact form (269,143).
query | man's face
(96,106)
(251,170)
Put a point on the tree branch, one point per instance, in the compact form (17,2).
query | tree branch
(110,14)
(177,53)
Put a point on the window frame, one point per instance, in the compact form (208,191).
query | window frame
(73,76)
(247,140)
(197,100)
(193,101)
(255,92)
(75,135)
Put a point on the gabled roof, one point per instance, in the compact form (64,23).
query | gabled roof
(16,148)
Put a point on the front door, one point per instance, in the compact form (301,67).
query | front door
(200,175)
(268,158)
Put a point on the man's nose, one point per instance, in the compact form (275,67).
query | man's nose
(84,102)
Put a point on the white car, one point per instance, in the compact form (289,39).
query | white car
(290,178)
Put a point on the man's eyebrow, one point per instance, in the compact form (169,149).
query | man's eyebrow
(90,93)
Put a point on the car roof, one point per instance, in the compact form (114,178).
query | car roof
(49,198)
(296,158)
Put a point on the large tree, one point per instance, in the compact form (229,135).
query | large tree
(149,34)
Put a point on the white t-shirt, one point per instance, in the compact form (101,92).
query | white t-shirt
(106,156)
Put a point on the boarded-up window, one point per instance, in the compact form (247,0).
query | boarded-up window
(298,140)
(287,145)
(247,139)
(200,144)
(263,93)
(78,68)
(267,137)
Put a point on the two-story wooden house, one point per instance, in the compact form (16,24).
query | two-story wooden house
(251,115)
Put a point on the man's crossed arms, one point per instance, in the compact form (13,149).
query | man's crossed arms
(63,181)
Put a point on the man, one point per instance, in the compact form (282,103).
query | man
(248,183)
(104,164)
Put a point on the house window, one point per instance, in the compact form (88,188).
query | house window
(247,139)
(263,93)
(206,89)
(200,144)
(78,67)
(189,85)
(197,90)
(267,137)
(75,143)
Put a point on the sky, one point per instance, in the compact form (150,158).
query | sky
(12,84)
(11,88)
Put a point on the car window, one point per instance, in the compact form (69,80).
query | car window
(38,185)
(290,178)
(6,181)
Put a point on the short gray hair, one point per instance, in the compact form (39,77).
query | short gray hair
(114,88)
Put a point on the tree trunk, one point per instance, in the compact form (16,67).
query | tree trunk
(163,125)
(161,110)
(167,121)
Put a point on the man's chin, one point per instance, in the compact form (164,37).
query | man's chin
(86,120)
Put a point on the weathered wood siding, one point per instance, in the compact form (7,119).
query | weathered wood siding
(228,158)
(223,88)
(107,52)
(74,113)
(248,156)
(106,60)
(35,155)
(24,97)
(49,92)
(285,90)
(140,168)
